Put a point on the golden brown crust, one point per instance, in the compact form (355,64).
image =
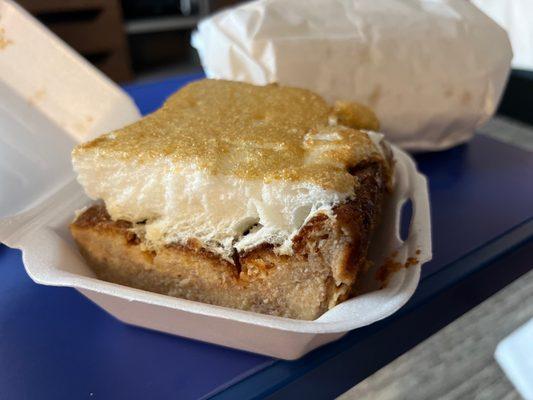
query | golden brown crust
(328,255)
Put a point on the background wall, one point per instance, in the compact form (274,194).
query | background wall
(128,39)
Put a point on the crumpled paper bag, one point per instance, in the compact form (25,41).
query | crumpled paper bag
(433,70)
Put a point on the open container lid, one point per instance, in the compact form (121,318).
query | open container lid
(51,98)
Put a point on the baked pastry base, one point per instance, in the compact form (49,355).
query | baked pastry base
(329,255)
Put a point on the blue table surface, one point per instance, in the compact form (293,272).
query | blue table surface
(55,344)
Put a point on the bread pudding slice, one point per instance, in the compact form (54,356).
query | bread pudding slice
(262,198)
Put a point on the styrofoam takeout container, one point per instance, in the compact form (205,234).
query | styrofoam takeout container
(51,99)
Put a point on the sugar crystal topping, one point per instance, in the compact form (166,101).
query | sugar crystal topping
(251,132)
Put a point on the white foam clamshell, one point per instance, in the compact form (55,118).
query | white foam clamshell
(51,99)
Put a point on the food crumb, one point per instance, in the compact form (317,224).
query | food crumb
(384,272)
(390,266)
(410,261)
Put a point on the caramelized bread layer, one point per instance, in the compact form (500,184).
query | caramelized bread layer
(329,252)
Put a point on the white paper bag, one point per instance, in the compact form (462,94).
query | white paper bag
(433,70)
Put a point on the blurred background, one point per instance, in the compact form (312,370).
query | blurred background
(129,39)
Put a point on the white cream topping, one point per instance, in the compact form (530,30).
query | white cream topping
(217,210)
(226,213)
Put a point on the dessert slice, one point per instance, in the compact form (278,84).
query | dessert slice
(262,198)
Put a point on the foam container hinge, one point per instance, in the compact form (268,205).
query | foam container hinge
(51,99)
